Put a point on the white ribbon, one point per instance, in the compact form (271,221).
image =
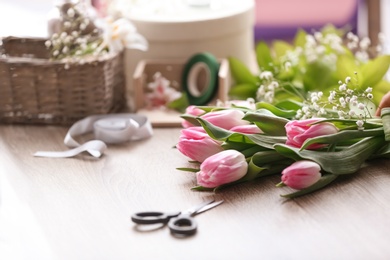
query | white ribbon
(111,129)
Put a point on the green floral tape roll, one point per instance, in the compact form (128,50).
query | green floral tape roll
(200,78)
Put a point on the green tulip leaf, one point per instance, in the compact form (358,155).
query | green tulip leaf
(191,119)
(346,67)
(201,188)
(275,110)
(179,104)
(237,145)
(280,48)
(321,183)
(241,73)
(344,124)
(293,90)
(266,141)
(346,161)
(289,105)
(300,38)
(249,152)
(187,169)
(222,134)
(379,90)
(318,76)
(374,70)
(268,122)
(263,56)
(342,136)
(243,91)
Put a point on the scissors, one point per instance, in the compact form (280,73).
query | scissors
(179,223)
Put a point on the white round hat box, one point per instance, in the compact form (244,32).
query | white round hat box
(180,29)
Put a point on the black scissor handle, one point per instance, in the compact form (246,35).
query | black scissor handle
(183,225)
(153,217)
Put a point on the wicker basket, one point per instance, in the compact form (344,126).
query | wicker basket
(36,90)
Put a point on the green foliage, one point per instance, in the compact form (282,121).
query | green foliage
(310,63)
(346,161)
(263,56)
(241,73)
(289,76)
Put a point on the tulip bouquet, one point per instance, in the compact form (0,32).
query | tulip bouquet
(301,117)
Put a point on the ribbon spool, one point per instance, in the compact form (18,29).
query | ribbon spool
(111,129)
(202,62)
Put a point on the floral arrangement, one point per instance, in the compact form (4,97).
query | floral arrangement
(309,114)
(78,34)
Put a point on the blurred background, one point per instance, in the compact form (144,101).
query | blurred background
(274,19)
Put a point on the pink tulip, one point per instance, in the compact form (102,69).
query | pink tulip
(196,144)
(301,174)
(221,168)
(226,119)
(194,111)
(300,130)
(246,129)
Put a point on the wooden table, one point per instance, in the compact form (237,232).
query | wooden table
(80,208)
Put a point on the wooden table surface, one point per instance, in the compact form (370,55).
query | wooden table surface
(80,208)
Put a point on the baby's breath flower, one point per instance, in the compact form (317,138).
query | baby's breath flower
(267,75)
(260,91)
(347,79)
(68,39)
(343,87)
(341,114)
(65,49)
(71,12)
(269,97)
(360,124)
(83,26)
(48,43)
(287,65)
(362,55)
(318,36)
(352,45)
(361,106)
(365,43)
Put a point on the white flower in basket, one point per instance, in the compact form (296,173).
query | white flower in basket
(120,34)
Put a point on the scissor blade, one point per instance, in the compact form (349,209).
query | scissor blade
(209,206)
(196,208)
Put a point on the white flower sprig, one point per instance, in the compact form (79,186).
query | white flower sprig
(81,36)
(347,102)
(266,91)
